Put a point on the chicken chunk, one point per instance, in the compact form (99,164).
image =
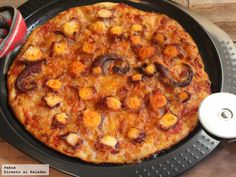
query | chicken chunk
(77,68)
(158,38)
(113,103)
(52,100)
(86,93)
(61,118)
(88,47)
(157,101)
(146,52)
(171,51)
(116,30)
(32,54)
(104,13)
(71,28)
(98,27)
(109,140)
(54,84)
(91,119)
(133,103)
(73,139)
(137,28)
(136,77)
(136,135)
(150,69)
(60,48)
(183,97)
(168,121)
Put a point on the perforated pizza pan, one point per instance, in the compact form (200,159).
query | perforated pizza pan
(172,162)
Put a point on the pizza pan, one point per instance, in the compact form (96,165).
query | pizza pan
(172,162)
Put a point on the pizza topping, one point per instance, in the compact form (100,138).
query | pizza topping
(98,27)
(97,70)
(157,101)
(133,103)
(60,48)
(183,96)
(159,38)
(88,47)
(60,120)
(109,141)
(91,119)
(52,100)
(137,28)
(136,77)
(86,93)
(54,84)
(146,52)
(136,135)
(73,139)
(120,65)
(136,40)
(150,69)
(113,103)
(104,13)
(32,54)
(23,83)
(103,61)
(168,121)
(71,28)
(191,50)
(119,90)
(171,51)
(77,68)
(116,30)
(164,71)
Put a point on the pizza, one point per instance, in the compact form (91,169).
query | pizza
(108,83)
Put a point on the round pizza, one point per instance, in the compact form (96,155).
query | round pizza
(108,83)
